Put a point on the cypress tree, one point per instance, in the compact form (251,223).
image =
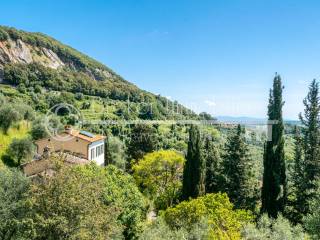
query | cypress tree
(311,141)
(274,174)
(107,153)
(237,169)
(213,171)
(194,169)
(298,179)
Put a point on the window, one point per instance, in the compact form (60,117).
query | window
(92,153)
(99,150)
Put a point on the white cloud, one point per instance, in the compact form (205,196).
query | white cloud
(210,103)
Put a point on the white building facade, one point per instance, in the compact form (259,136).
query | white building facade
(96,152)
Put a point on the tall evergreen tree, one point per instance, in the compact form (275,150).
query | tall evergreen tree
(213,168)
(274,175)
(311,141)
(298,179)
(238,171)
(194,169)
(107,153)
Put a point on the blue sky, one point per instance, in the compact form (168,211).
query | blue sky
(214,55)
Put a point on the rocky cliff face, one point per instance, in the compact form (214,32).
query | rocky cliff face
(16,51)
(21,47)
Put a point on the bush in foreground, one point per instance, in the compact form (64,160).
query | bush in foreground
(223,221)
(275,229)
(119,190)
(159,174)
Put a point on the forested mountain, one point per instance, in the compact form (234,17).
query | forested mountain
(34,61)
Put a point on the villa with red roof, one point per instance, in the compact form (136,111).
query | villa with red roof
(81,144)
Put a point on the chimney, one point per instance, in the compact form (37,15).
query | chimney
(68,129)
(46,152)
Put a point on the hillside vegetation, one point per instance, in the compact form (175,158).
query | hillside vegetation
(160,181)
(33,62)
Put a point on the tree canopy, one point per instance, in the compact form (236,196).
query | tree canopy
(159,174)
(223,221)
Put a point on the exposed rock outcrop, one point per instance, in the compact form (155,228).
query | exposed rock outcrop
(19,52)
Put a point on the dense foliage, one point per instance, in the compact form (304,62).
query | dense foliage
(274,189)
(240,183)
(223,221)
(312,220)
(120,191)
(20,151)
(310,165)
(13,200)
(194,170)
(213,180)
(138,194)
(276,229)
(159,230)
(296,199)
(70,206)
(36,76)
(159,175)
(143,139)
(86,202)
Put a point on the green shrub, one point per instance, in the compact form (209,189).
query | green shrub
(275,229)
(8,116)
(79,96)
(224,222)
(70,204)
(86,105)
(3,35)
(38,130)
(14,188)
(312,220)
(118,152)
(21,151)
(159,174)
(143,140)
(159,230)
(22,88)
(120,190)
